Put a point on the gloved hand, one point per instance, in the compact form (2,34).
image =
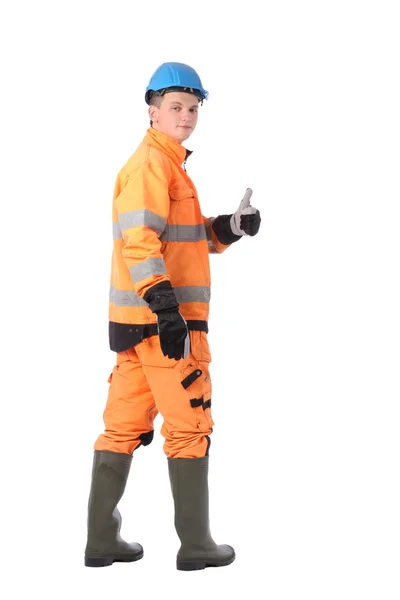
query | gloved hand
(246,220)
(174,334)
(172,328)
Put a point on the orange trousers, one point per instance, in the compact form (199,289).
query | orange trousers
(144,383)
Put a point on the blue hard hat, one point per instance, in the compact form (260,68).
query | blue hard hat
(174,76)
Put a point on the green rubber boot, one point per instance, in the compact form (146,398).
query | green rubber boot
(104,543)
(189,485)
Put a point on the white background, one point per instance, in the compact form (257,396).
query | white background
(304,327)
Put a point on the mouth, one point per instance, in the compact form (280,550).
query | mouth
(185,126)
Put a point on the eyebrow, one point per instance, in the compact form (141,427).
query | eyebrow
(180,104)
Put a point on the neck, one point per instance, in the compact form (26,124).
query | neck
(154,126)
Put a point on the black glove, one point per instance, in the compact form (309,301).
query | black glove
(172,328)
(173,333)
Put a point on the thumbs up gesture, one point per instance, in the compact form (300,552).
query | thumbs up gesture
(246,220)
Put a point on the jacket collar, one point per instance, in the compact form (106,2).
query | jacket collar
(175,151)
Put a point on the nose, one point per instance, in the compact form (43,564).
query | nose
(186,117)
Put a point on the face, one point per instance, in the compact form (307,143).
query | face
(177,115)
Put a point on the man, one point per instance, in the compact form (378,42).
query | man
(159,306)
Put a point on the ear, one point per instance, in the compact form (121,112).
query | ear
(153,113)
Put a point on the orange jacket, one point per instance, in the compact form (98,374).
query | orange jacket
(159,235)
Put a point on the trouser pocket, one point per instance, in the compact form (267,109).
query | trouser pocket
(196,380)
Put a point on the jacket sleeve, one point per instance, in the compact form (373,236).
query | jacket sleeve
(142,210)
(219,233)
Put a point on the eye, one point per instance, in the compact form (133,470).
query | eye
(175,108)
(195,110)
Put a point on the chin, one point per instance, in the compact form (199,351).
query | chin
(181,136)
(185,133)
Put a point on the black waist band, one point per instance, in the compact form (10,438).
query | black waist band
(123,336)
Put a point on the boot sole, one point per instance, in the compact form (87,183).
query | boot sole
(106,561)
(197,565)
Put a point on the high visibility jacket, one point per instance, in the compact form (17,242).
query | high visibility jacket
(159,235)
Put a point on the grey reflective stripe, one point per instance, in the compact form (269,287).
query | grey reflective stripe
(183,233)
(192,293)
(125,298)
(211,246)
(117,235)
(183,294)
(147,268)
(135,218)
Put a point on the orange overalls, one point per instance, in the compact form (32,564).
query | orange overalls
(159,235)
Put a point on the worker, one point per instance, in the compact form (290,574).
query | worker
(158,325)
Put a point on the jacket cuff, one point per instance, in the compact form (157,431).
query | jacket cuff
(223,231)
(161,297)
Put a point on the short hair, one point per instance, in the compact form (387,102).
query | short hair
(156,100)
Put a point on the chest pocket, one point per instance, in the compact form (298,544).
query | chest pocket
(181,194)
(184,206)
